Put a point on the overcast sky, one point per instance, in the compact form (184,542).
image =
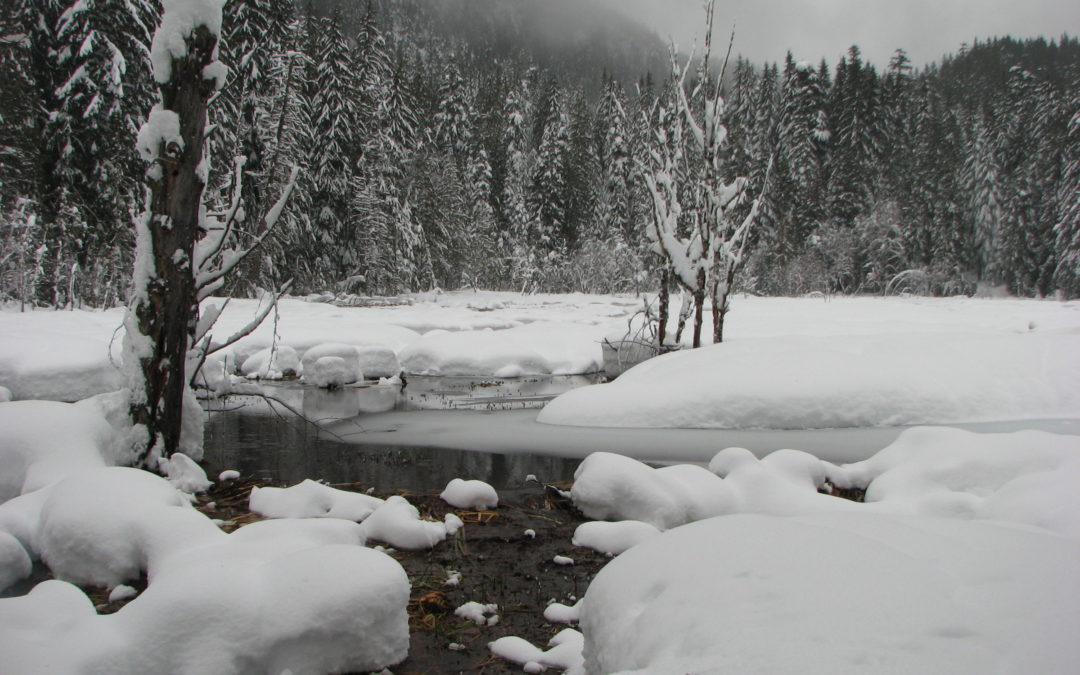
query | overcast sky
(812,29)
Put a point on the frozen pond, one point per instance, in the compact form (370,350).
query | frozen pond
(442,428)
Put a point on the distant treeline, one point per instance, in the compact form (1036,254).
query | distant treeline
(462,143)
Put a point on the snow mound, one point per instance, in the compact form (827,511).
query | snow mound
(41,442)
(477,612)
(837,593)
(564,653)
(470,494)
(332,371)
(613,538)
(5,395)
(398,523)
(613,487)
(559,613)
(106,526)
(311,499)
(533,349)
(839,381)
(214,617)
(1026,477)
(184,474)
(271,363)
(346,371)
(378,361)
(59,356)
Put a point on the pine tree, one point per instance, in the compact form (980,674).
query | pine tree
(1067,228)
(333,149)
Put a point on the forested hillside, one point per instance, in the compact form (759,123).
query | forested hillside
(498,144)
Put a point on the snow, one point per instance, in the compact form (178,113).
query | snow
(470,494)
(271,363)
(346,371)
(540,348)
(398,523)
(66,355)
(610,486)
(564,653)
(331,371)
(184,474)
(562,560)
(179,19)
(839,381)
(613,538)
(336,605)
(478,613)
(44,441)
(311,499)
(837,593)
(228,475)
(560,613)
(159,134)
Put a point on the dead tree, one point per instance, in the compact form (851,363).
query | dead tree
(180,259)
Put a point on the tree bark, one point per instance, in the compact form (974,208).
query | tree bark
(662,319)
(699,305)
(168,311)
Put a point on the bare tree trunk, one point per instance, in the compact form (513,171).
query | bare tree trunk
(166,306)
(662,320)
(699,305)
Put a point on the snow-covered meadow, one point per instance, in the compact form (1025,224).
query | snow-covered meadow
(960,559)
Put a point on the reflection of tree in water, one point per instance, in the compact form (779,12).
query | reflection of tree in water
(290,450)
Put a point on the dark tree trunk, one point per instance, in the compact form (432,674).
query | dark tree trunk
(662,319)
(699,305)
(168,313)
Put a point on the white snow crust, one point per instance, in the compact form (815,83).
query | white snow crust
(955,563)
(839,381)
(851,592)
(541,348)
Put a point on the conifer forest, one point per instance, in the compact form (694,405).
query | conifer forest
(488,144)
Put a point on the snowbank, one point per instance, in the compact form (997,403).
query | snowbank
(534,349)
(60,356)
(837,593)
(839,381)
(41,442)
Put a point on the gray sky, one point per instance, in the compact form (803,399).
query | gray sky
(812,29)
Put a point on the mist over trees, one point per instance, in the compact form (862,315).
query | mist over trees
(497,144)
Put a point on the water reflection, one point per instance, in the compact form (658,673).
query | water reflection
(269,442)
(289,450)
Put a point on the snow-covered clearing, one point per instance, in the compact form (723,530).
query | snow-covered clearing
(960,561)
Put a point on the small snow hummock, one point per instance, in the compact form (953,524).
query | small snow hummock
(330,372)
(613,538)
(559,613)
(184,474)
(470,494)
(228,475)
(453,578)
(121,593)
(478,613)
(562,560)
(564,653)
(311,499)
(272,363)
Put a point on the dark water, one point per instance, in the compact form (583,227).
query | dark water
(285,448)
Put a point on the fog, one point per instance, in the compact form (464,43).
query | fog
(813,29)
